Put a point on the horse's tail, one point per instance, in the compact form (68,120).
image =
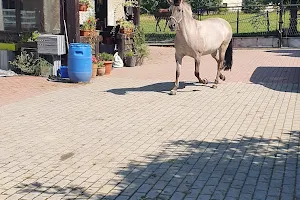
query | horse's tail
(228,57)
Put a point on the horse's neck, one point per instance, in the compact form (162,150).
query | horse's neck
(187,28)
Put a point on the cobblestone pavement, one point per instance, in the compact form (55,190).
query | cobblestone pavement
(123,137)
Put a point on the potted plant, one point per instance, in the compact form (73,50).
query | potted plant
(101,68)
(95,66)
(126,27)
(83,5)
(108,61)
(88,26)
(130,59)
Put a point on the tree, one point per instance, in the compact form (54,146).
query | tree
(150,6)
(252,6)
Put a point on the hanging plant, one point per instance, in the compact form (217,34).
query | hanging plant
(126,27)
(88,26)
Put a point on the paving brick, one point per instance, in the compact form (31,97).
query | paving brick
(122,135)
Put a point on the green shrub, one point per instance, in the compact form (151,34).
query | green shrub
(106,56)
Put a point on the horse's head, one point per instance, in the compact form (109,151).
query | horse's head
(179,9)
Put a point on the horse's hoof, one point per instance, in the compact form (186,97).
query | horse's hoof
(214,86)
(204,81)
(216,81)
(173,92)
(222,77)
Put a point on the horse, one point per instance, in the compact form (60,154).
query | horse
(160,15)
(198,38)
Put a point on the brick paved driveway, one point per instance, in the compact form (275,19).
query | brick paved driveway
(123,137)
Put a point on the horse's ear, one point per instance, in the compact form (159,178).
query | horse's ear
(170,2)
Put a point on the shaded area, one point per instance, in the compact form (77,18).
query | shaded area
(286,52)
(277,78)
(43,188)
(163,87)
(243,168)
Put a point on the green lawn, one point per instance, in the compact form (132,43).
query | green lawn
(249,24)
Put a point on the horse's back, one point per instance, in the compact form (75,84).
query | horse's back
(215,32)
(217,24)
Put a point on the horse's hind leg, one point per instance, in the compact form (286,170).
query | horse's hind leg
(197,66)
(178,69)
(157,25)
(220,63)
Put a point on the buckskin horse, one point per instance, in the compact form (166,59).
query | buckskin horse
(198,38)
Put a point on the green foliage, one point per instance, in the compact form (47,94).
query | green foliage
(131,3)
(253,6)
(29,37)
(100,64)
(106,56)
(150,6)
(196,4)
(126,24)
(141,48)
(30,65)
(129,54)
(223,10)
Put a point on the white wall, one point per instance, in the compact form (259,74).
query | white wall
(115,11)
(233,2)
(1,17)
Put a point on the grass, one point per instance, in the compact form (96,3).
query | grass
(248,24)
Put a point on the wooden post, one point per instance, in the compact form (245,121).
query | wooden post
(280,23)
(237,20)
(137,13)
(72,17)
(268,21)
(18,16)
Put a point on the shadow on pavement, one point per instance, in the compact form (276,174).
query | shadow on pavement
(163,87)
(286,52)
(285,79)
(244,168)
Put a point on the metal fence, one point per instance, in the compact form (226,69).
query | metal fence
(245,21)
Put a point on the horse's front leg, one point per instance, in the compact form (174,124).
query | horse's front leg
(178,69)
(197,66)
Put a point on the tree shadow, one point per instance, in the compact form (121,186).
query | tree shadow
(244,168)
(286,52)
(284,79)
(163,87)
(42,188)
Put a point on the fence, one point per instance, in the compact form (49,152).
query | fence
(245,21)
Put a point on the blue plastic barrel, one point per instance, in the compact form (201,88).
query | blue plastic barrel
(80,62)
(63,72)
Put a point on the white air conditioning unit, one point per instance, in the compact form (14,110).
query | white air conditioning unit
(51,44)
(54,45)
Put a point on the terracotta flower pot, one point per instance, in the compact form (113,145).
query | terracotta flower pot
(101,71)
(94,71)
(85,32)
(83,7)
(108,67)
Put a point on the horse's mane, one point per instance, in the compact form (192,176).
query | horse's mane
(188,6)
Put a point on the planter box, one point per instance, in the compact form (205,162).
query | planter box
(8,46)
